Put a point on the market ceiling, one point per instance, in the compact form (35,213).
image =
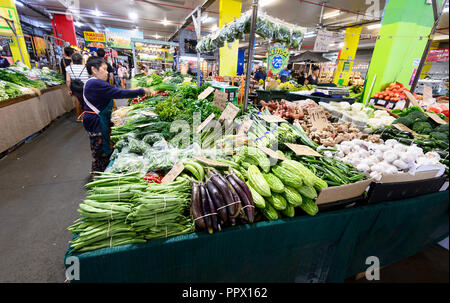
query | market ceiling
(161,19)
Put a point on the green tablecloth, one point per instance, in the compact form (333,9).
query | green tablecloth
(329,247)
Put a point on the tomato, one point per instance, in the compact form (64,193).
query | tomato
(387,98)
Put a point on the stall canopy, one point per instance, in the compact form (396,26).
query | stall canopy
(309,57)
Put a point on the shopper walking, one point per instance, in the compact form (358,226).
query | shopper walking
(122,73)
(77,76)
(98,103)
(115,73)
(65,61)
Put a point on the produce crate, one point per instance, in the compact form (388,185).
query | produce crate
(267,95)
(317,99)
(383,192)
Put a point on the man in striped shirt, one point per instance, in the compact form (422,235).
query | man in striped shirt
(74,71)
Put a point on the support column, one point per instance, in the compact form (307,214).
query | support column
(427,66)
(347,55)
(18,47)
(402,39)
(229,10)
(63,28)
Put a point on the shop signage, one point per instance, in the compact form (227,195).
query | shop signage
(229,113)
(440,54)
(245,126)
(302,150)
(318,118)
(173,173)
(323,40)
(94,37)
(278,58)
(121,38)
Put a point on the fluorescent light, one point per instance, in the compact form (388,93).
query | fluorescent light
(133,16)
(214,28)
(157,36)
(310,35)
(165,22)
(19,3)
(445,10)
(341,45)
(263,3)
(331,15)
(378,25)
(78,24)
(97,13)
(204,17)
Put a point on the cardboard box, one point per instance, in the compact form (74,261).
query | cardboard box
(423,173)
(343,192)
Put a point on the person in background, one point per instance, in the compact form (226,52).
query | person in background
(3,61)
(314,77)
(101,53)
(116,77)
(302,77)
(260,75)
(77,70)
(98,104)
(284,74)
(85,57)
(65,61)
(123,76)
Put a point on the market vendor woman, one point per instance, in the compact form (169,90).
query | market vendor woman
(98,104)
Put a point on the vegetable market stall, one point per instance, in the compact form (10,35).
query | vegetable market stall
(25,115)
(329,247)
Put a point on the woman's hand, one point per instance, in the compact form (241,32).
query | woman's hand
(148,91)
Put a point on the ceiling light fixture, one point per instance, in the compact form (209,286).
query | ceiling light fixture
(331,15)
(310,35)
(165,22)
(18,3)
(78,24)
(133,16)
(265,2)
(97,13)
(373,26)
(214,28)
(157,36)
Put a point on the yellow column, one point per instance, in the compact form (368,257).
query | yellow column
(427,66)
(347,57)
(228,11)
(9,11)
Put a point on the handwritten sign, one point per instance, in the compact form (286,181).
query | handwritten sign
(302,150)
(173,173)
(436,118)
(229,113)
(245,126)
(322,42)
(272,118)
(318,118)
(187,79)
(206,93)
(411,99)
(427,93)
(220,99)
(271,153)
(205,123)
(210,162)
(404,128)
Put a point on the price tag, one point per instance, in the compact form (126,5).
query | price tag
(220,99)
(372,101)
(436,118)
(187,79)
(272,118)
(400,104)
(404,128)
(205,123)
(411,99)
(210,162)
(427,93)
(206,93)
(245,126)
(173,173)
(382,102)
(229,113)
(318,118)
(271,153)
(302,150)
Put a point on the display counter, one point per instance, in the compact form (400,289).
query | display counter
(23,116)
(329,247)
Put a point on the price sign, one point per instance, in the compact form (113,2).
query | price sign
(318,118)
(245,126)
(271,153)
(220,99)
(427,93)
(436,118)
(187,79)
(411,99)
(229,113)
(272,118)
(206,93)
(404,128)
(205,123)
(302,150)
(210,162)
(173,173)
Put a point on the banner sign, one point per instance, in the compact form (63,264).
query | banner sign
(278,58)
(121,38)
(440,54)
(92,39)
